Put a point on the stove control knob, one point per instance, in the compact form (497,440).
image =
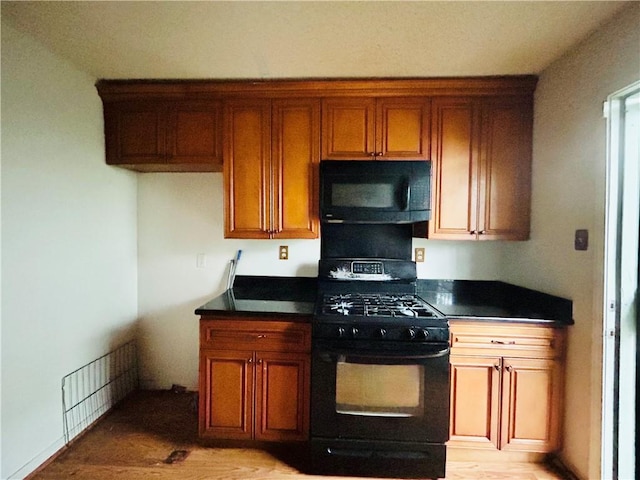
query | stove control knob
(423,334)
(341,332)
(411,333)
(382,333)
(354,332)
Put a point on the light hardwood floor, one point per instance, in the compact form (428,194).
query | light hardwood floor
(136,441)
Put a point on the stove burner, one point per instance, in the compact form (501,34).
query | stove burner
(375,304)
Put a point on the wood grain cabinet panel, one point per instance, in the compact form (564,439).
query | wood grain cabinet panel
(135,133)
(282,399)
(481,168)
(506,387)
(226,405)
(254,379)
(195,133)
(161,136)
(475,398)
(272,153)
(530,421)
(369,128)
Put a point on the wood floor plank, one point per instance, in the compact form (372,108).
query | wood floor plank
(136,438)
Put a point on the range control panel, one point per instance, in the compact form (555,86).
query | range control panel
(381,332)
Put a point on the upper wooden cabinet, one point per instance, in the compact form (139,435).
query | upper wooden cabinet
(368,128)
(160,135)
(481,168)
(272,152)
(266,135)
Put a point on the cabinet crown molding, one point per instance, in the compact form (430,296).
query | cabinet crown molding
(115,90)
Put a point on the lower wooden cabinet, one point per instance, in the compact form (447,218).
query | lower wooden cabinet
(506,387)
(254,380)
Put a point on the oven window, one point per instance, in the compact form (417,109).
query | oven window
(370,195)
(379,390)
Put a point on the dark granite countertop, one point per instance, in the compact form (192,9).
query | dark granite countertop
(494,300)
(477,300)
(258,296)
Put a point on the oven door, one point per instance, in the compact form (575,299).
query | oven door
(380,391)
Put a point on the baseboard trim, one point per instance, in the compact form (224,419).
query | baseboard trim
(32,468)
(37,463)
(561,468)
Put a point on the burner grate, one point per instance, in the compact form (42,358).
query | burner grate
(375,305)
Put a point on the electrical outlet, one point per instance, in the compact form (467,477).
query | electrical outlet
(283,252)
(201,260)
(419,254)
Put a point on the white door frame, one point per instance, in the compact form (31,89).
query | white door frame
(620,285)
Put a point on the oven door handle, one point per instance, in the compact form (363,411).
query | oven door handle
(331,355)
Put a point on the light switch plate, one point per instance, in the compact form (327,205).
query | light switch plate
(283,252)
(581,240)
(419,254)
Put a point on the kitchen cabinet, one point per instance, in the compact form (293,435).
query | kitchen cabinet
(481,168)
(506,386)
(161,135)
(367,128)
(272,150)
(254,379)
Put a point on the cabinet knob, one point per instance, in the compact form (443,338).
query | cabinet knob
(378,154)
(250,360)
(372,154)
(472,232)
(508,368)
(497,367)
(482,232)
(259,361)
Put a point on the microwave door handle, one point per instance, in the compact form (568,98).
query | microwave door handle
(407,196)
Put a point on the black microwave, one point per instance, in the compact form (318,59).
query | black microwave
(379,191)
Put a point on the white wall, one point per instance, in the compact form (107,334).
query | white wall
(68,245)
(568,194)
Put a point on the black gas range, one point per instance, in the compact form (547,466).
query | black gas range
(380,372)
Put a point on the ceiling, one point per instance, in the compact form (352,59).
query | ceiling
(309,39)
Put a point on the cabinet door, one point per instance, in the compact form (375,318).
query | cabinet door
(455,168)
(282,396)
(135,133)
(294,161)
(505,187)
(475,402)
(530,405)
(402,129)
(226,394)
(348,128)
(195,134)
(247,171)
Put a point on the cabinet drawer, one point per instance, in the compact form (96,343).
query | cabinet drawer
(514,340)
(263,335)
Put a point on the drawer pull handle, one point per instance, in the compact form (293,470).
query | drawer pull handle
(261,336)
(500,342)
